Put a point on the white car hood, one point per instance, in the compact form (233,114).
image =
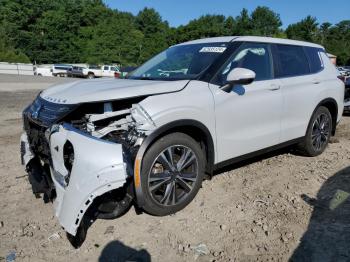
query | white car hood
(108,89)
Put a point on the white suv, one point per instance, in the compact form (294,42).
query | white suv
(96,147)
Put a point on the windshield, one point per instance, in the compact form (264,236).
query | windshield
(180,62)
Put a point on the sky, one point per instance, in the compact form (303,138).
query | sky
(179,12)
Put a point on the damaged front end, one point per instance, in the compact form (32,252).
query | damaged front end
(83,160)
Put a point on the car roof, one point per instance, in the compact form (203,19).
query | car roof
(260,39)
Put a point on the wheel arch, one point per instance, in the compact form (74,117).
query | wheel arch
(332,105)
(190,127)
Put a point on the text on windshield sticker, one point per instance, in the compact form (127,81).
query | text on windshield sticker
(212,49)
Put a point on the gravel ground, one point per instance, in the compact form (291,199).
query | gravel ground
(277,207)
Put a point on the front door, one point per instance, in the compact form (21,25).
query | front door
(249,117)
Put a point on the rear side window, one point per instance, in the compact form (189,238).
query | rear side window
(292,61)
(315,61)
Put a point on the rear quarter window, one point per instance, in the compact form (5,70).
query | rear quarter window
(292,61)
(315,60)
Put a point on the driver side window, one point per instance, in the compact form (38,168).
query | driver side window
(253,56)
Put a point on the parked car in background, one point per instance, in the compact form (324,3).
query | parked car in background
(60,70)
(101,71)
(75,71)
(97,147)
(343,71)
(347,96)
(43,71)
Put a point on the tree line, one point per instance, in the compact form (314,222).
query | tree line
(88,31)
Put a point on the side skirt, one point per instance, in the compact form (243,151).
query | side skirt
(256,153)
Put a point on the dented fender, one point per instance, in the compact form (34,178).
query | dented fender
(98,167)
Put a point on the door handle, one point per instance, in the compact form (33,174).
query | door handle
(274,87)
(316,81)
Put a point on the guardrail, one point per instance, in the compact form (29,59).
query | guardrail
(16,68)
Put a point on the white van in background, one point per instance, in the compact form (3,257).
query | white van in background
(43,71)
(60,70)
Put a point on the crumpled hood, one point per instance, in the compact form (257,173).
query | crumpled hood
(108,89)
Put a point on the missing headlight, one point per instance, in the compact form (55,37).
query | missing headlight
(68,158)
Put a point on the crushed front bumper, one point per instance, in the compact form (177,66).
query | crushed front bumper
(98,167)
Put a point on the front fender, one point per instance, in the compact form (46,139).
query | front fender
(159,132)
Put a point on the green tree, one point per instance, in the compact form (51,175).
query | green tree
(324,32)
(8,53)
(81,31)
(338,41)
(206,26)
(155,32)
(244,24)
(265,22)
(229,26)
(305,30)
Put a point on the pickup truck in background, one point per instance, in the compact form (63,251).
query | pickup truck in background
(101,71)
(75,71)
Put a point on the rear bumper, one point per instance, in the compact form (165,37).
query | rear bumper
(98,167)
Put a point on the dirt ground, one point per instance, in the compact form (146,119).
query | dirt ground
(278,207)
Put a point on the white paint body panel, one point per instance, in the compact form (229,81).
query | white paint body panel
(107,89)
(302,94)
(98,168)
(195,102)
(247,122)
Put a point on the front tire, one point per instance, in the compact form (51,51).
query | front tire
(318,133)
(172,173)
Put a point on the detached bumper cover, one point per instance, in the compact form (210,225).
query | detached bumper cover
(98,167)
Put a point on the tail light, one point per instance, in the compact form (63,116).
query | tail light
(116,74)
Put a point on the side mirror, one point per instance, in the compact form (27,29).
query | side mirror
(238,76)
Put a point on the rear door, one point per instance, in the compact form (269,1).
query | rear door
(299,69)
(248,118)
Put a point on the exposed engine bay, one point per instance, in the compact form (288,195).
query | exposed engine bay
(126,126)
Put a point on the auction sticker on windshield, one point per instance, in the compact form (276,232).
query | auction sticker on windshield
(212,49)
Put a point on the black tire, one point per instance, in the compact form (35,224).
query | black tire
(310,145)
(91,76)
(184,148)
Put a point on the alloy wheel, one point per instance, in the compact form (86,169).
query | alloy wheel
(320,132)
(173,175)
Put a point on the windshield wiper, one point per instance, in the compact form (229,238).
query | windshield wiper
(146,78)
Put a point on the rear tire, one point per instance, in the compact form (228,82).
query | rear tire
(91,76)
(318,133)
(172,173)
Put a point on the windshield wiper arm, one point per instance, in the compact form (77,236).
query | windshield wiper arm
(146,78)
